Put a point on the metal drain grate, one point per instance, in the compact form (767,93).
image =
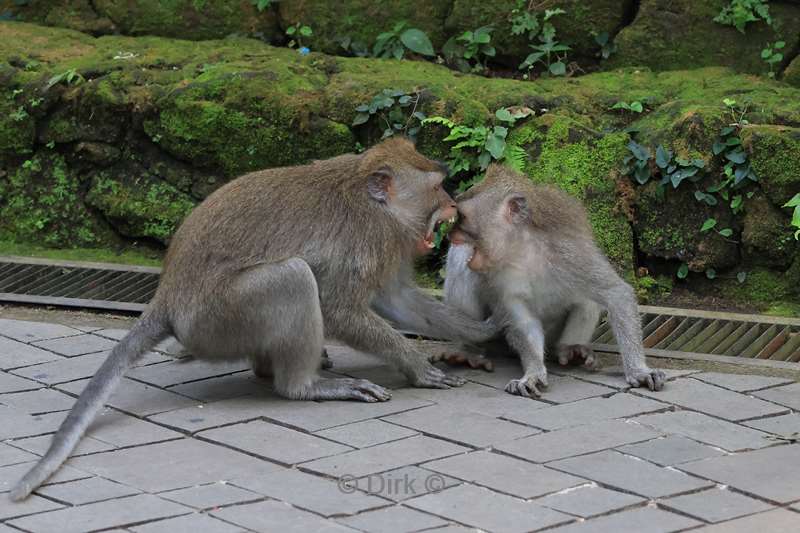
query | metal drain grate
(668,330)
(72,284)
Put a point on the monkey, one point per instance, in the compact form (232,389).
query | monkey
(526,252)
(273,262)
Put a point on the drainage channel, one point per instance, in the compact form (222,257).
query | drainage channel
(668,332)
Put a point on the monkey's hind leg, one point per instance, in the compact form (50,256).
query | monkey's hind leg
(573,343)
(287,315)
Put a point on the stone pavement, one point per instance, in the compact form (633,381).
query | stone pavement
(188,446)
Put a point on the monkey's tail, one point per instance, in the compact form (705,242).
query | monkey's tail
(146,333)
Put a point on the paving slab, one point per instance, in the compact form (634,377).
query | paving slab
(40,444)
(671,450)
(274,442)
(741,382)
(31,505)
(587,501)
(477,398)
(224,387)
(172,465)
(463,427)
(716,505)
(15,354)
(366,433)
(712,400)
(614,376)
(28,331)
(38,401)
(577,441)
(211,495)
(102,515)
(505,474)
(136,398)
(192,523)
(12,383)
(9,475)
(310,492)
(77,345)
(392,520)
(777,521)
(784,425)
(649,519)
(83,491)
(122,430)
(614,469)
(278,516)
(587,411)
(384,457)
(709,430)
(74,368)
(19,424)
(179,371)
(771,473)
(562,389)
(485,509)
(9,455)
(787,395)
(403,483)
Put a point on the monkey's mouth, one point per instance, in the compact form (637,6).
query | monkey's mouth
(429,241)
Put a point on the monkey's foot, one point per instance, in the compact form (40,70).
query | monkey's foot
(347,389)
(528,386)
(577,354)
(430,377)
(326,363)
(466,359)
(653,379)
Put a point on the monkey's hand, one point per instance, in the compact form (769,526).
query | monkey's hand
(465,359)
(529,386)
(427,376)
(577,354)
(639,377)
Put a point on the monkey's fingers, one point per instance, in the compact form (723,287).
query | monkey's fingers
(527,387)
(432,377)
(653,379)
(472,360)
(367,391)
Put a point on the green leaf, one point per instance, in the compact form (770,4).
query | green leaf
(642,174)
(683,271)
(637,107)
(360,118)
(496,145)
(737,157)
(699,163)
(621,105)
(306,31)
(736,203)
(727,130)
(504,115)
(765,53)
(711,273)
(727,232)
(417,41)
(663,156)
(741,276)
(794,202)
(733,141)
(639,151)
(708,224)
(558,68)
(779,44)
(718,147)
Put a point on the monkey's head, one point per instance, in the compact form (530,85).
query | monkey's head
(492,215)
(409,186)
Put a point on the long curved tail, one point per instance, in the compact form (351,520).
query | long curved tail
(145,334)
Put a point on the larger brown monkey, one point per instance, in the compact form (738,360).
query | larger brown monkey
(526,253)
(262,264)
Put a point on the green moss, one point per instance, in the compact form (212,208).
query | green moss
(789,309)
(775,156)
(17,129)
(652,288)
(131,255)
(762,286)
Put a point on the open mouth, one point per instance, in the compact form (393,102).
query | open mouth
(433,228)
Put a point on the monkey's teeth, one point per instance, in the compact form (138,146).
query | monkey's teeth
(430,244)
(451,220)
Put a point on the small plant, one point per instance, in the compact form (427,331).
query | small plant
(262,5)
(394,43)
(470,50)
(771,56)
(795,202)
(711,223)
(70,77)
(391,106)
(351,47)
(296,33)
(676,169)
(523,21)
(549,52)
(638,162)
(607,46)
(634,107)
(739,12)
(729,145)
(19,115)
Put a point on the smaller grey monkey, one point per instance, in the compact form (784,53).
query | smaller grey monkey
(525,254)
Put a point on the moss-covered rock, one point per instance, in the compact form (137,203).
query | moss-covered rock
(676,34)
(775,156)
(791,74)
(767,238)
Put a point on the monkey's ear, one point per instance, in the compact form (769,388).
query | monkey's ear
(380,184)
(517,210)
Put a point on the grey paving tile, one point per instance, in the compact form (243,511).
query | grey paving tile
(274,442)
(27,331)
(121,430)
(452,529)
(77,345)
(578,440)
(211,495)
(562,389)
(392,520)
(18,424)
(649,519)
(40,444)
(613,376)
(741,382)
(630,474)
(278,516)
(14,354)
(671,450)
(73,368)
(182,371)
(9,475)
(784,425)
(119,512)
(31,505)
(713,400)
(224,387)
(366,433)
(38,401)
(192,523)
(777,521)
(477,398)
(716,505)
(505,474)
(10,455)
(383,457)
(12,383)
(489,510)
(310,492)
(589,501)
(463,427)
(83,491)
(172,465)
(199,417)
(788,395)
(770,473)
(403,483)
(588,411)
(703,428)
(137,398)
